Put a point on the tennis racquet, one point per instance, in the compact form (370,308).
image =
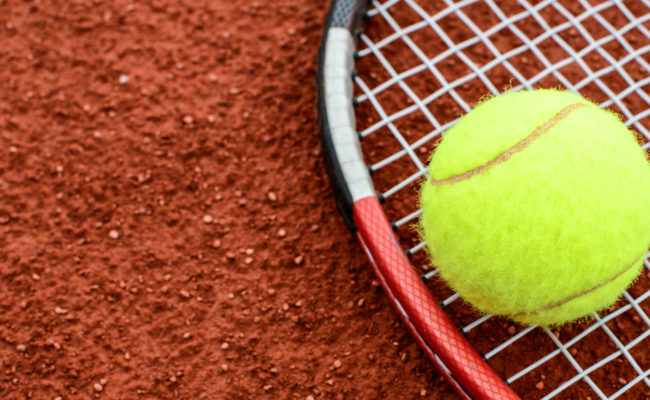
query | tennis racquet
(393,76)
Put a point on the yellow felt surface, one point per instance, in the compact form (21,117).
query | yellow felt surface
(561,216)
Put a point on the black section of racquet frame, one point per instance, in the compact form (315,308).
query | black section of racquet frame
(345,14)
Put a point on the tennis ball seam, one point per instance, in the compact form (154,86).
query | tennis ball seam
(519,146)
(580,294)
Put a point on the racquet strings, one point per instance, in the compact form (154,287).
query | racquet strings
(420,66)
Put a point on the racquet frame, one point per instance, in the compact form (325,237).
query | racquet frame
(441,341)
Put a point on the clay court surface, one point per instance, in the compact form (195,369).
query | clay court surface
(167,229)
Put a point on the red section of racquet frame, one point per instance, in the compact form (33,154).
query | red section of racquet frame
(468,373)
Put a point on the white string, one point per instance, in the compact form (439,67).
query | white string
(623,349)
(478,77)
(575,339)
(582,374)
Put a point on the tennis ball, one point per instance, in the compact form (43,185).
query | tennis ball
(537,207)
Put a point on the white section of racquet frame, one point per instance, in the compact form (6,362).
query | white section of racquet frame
(338,64)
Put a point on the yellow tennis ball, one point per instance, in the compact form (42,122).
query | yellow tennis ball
(537,207)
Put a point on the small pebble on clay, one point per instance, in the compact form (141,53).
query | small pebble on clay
(4,219)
